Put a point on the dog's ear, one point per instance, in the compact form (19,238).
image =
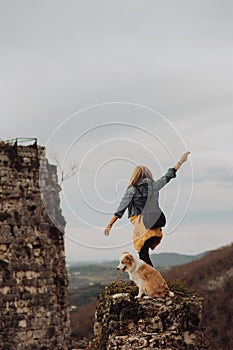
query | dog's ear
(125,253)
(129,258)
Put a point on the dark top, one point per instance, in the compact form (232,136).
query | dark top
(135,201)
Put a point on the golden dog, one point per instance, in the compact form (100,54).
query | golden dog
(149,281)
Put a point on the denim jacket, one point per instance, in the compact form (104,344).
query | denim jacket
(133,200)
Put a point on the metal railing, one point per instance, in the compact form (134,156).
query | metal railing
(22,140)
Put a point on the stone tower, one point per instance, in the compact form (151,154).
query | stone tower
(34,303)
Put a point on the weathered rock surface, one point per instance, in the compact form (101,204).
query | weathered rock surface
(34,303)
(80,344)
(122,322)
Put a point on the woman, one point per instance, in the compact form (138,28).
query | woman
(143,189)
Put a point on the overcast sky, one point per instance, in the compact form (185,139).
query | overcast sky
(111,84)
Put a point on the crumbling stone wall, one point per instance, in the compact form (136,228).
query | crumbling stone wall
(34,303)
(123,323)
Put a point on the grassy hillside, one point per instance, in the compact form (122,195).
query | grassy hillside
(212,278)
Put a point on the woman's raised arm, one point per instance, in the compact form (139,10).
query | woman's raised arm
(183,159)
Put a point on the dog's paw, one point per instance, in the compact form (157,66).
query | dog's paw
(146,297)
(137,297)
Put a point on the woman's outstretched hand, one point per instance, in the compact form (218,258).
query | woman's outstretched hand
(184,157)
(109,226)
(107,230)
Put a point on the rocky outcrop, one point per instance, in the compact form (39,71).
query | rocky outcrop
(34,303)
(122,322)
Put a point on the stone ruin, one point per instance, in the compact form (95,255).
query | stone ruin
(123,323)
(34,303)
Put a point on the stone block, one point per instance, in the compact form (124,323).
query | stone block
(5,230)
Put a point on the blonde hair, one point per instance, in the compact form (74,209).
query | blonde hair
(139,173)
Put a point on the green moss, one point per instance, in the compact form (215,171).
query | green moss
(107,311)
(181,290)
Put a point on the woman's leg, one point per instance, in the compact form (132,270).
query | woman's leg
(144,252)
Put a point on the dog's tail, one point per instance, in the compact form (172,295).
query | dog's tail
(171,294)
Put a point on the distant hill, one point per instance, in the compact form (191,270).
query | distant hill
(161,260)
(212,278)
(166,260)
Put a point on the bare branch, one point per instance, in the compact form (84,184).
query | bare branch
(65,174)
